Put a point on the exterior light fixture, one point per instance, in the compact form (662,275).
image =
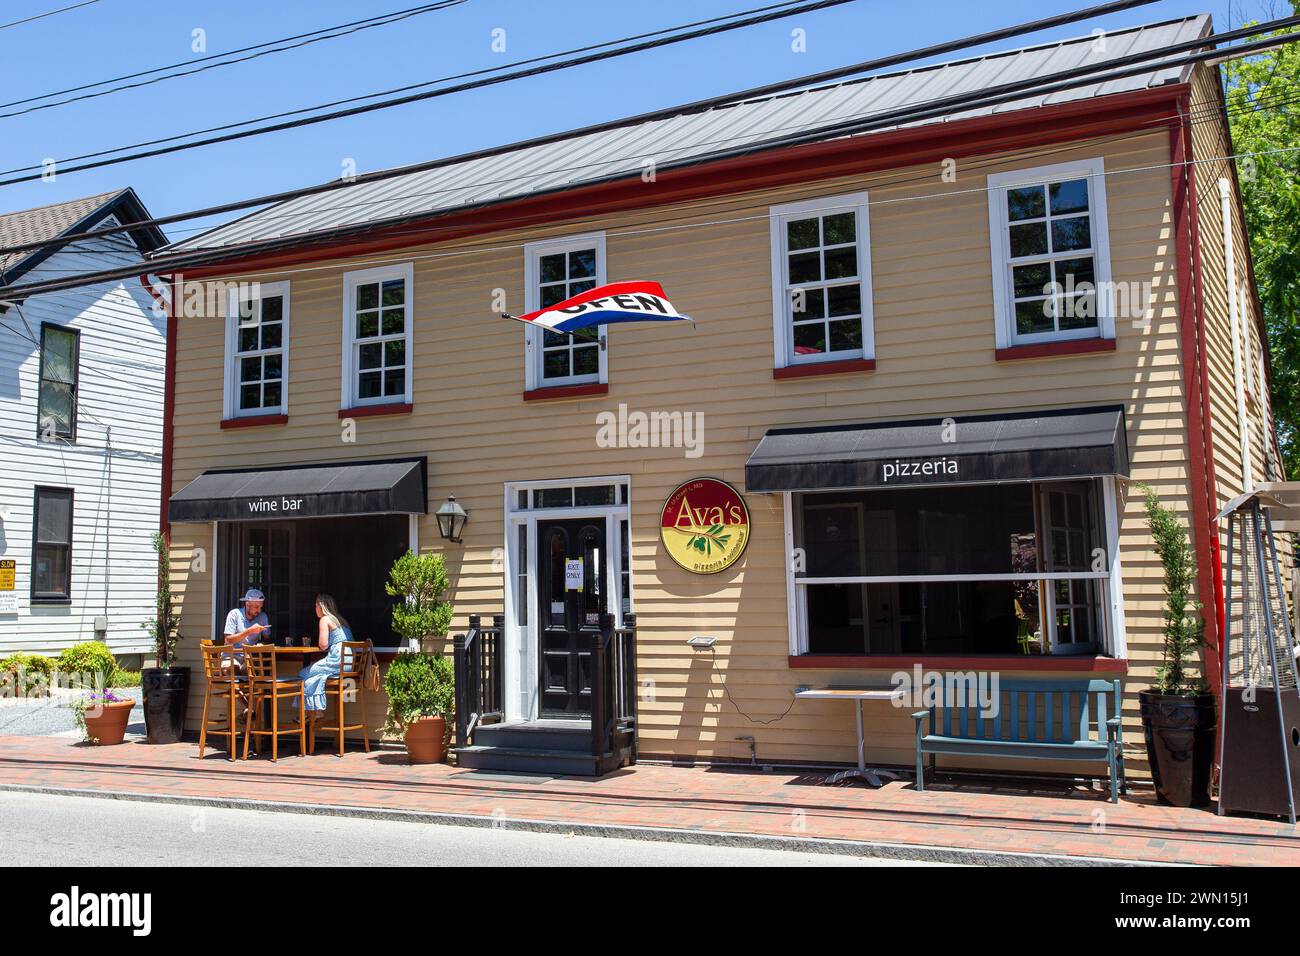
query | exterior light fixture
(451,520)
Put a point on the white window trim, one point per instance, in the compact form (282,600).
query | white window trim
(1094,170)
(351,280)
(533,252)
(782,336)
(230,397)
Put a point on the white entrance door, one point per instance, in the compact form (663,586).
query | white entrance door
(528,505)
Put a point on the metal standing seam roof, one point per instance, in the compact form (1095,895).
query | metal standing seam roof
(596,156)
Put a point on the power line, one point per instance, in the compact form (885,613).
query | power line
(1057,82)
(642,228)
(697,106)
(1194,117)
(431,94)
(394,90)
(48,13)
(291,43)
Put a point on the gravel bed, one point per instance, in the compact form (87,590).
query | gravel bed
(51,716)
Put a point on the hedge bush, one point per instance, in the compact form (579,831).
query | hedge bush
(33,669)
(88,657)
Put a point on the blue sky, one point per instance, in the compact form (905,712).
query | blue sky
(115,37)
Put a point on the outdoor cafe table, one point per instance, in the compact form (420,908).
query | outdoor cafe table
(856,694)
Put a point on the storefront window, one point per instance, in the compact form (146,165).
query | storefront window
(291,561)
(981,569)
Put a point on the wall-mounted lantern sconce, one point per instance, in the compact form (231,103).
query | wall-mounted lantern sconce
(451,520)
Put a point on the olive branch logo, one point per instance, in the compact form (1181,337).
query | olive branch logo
(704,540)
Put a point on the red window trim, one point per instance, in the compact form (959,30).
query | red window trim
(370,411)
(565,391)
(987,662)
(1053,349)
(807,369)
(254,421)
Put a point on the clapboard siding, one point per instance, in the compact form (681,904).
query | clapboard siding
(115,477)
(934,332)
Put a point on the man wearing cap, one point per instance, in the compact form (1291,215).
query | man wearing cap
(245,625)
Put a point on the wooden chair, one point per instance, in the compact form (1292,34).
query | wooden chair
(223,683)
(351,681)
(264,686)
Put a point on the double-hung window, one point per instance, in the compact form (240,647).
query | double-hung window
(56,415)
(52,546)
(377,320)
(821,280)
(555,270)
(1051,257)
(257,349)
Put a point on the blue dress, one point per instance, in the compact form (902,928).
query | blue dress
(315,675)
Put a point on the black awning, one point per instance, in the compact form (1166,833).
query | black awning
(1031,446)
(303,491)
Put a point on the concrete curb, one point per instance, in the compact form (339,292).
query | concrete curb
(890,851)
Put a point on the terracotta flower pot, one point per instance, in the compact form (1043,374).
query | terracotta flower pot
(109,727)
(425,740)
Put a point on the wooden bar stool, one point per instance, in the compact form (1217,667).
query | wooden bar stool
(264,685)
(223,683)
(351,681)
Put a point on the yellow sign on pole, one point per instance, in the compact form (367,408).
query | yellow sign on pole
(8,569)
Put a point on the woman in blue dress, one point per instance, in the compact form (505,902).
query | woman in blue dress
(334,631)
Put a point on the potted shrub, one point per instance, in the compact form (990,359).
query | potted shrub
(102,716)
(165,687)
(420,689)
(1178,717)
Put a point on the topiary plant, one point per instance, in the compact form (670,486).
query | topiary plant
(89,658)
(420,580)
(1184,626)
(418,685)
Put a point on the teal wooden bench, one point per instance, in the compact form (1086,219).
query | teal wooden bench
(1032,720)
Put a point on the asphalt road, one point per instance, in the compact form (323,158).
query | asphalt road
(44,830)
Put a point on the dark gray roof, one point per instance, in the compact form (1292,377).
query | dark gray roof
(595,156)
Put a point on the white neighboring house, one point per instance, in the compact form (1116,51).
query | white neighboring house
(81,421)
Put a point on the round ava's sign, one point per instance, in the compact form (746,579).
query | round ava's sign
(705,525)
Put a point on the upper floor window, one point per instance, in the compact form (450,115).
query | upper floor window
(821,280)
(257,343)
(56,413)
(377,323)
(1051,257)
(555,270)
(52,545)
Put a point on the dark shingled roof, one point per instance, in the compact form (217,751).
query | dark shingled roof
(46,222)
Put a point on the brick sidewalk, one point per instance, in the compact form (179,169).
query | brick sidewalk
(957,818)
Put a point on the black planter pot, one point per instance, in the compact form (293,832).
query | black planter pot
(1179,734)
(166,691)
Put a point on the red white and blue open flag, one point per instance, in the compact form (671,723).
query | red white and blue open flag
(607,305)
